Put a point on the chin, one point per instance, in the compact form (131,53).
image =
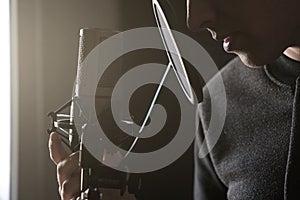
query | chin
(258,59)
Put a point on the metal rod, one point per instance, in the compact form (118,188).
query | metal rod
(150,108)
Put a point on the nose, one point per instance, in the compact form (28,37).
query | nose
(200,14)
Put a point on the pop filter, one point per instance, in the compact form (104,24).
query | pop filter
(172,50)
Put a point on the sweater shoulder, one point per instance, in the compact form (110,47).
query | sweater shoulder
(231,81)
(235,76)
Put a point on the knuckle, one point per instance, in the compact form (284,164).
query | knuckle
(60,193)
(64,191)
(60,167)
(61,176)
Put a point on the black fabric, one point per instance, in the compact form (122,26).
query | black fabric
(256,156)
(206,183)
(285,70)
(292,180)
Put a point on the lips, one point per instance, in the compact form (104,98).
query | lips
(226,43)
(228,38)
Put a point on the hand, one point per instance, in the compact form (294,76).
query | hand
(68,170)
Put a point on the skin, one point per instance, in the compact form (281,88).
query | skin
(259,31)
(293,52)
(68,171)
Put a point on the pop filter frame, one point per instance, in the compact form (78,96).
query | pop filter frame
(172,50)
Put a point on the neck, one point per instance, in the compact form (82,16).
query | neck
(293,53)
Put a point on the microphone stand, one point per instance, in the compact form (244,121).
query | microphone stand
(94,175)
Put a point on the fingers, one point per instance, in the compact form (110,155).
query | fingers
(68,177)
(70,188)
(56,149)
(68,168)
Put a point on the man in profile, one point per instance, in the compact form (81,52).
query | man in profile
(256,156)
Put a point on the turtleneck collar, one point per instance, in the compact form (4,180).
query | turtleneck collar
(285,70)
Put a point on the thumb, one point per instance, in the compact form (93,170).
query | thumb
(56,149)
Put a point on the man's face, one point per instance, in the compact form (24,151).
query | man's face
(258,31)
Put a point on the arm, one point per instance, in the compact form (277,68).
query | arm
(207,185)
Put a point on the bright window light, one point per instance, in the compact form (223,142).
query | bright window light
(5,140)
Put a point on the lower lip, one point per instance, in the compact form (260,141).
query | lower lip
(227,44)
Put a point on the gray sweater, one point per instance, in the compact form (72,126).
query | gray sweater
(255,156)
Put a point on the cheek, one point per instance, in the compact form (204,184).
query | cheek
(264,34)
(268,24)
(266,31)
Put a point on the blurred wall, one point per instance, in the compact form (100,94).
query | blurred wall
(46,44)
